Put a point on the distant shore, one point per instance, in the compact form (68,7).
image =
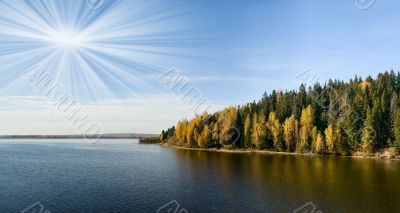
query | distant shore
(381,154)
(102,136)
(150,140)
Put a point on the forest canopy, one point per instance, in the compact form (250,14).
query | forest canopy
(336,117)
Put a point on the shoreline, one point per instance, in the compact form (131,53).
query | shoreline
(381,155)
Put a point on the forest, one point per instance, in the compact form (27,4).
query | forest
(336,117)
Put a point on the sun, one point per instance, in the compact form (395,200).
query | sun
(65,39)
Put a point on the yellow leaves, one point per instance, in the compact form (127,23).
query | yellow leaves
(204,138)
(330,138)
(180,131)
(290,132)
(365,84)
(227,121)
(307,118)
(320,144)
(259,131)
(247,131)
(307,124)
(275,128)
(192,131)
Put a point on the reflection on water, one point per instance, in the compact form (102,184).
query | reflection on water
(124,176)
(284,182)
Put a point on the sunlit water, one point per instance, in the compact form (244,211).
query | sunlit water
(124,176)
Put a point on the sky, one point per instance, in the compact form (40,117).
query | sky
(141,65)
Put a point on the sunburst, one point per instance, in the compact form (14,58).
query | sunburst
(94,48)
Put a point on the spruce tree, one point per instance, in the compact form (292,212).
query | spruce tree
(396,130)
(368,133)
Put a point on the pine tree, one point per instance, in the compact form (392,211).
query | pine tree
(341,139)
(377,125)
(239,127)
(339,118)
(398,83)
(396,130)
(385,117)
(302,96)
(162,136)
(392,115)
(368,133)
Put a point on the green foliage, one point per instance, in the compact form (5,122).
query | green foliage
(333,118)
(396,130)
(369,133)
(163,136)
(343,146)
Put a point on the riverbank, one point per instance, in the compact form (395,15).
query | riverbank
(150,140)
(381,154)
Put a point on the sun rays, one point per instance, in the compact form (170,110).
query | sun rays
(95,49)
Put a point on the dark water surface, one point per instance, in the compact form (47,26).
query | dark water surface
(123,176)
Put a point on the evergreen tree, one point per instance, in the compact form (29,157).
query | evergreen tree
(341,139)
(385,117)
(239,128)
(368,133)
(162,136)
(336,118)
(396,130)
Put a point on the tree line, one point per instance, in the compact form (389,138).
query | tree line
(336,117)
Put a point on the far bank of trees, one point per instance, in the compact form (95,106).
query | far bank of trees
(334,118)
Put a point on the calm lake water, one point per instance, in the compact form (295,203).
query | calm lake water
(123,176)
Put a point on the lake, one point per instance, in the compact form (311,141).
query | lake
(124,176)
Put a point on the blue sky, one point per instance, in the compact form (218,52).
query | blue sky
(107,55)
